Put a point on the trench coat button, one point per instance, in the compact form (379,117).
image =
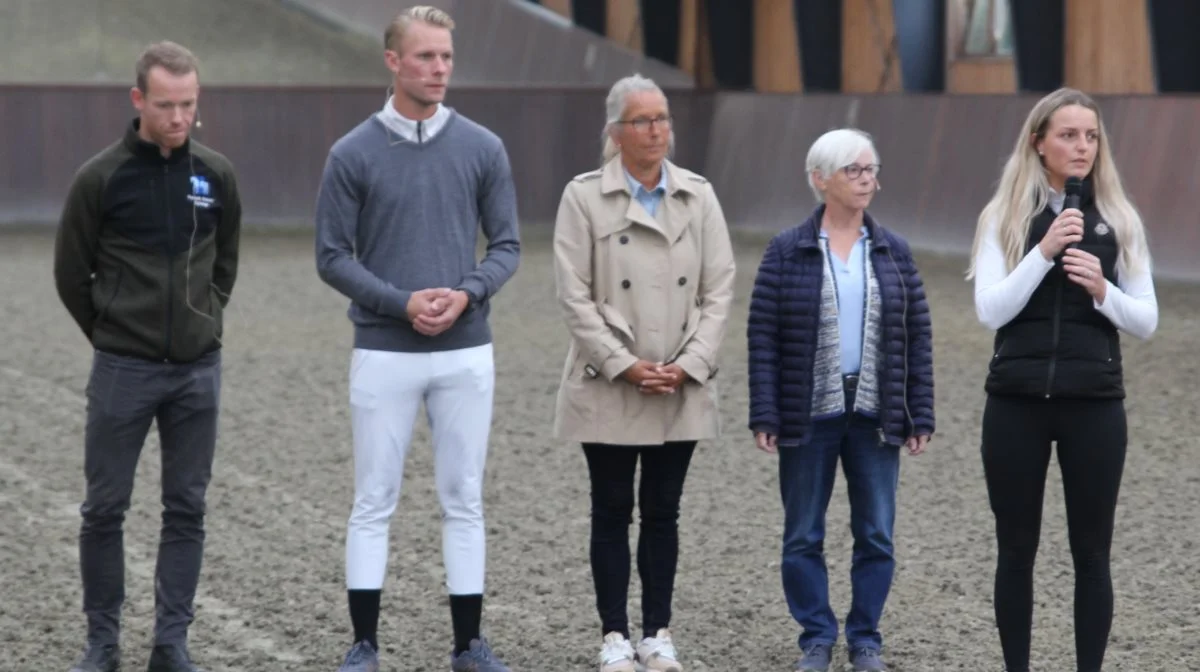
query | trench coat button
(684,327)
(625,284)
(624,239)
(682,281)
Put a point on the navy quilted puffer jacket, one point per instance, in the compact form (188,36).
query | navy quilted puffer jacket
(785,310)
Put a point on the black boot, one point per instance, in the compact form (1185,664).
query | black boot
(99,659)
(171,658)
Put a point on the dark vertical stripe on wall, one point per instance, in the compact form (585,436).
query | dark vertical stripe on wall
(921,38)
(731,34)
(1174,27)
(1039,43)
(819,31)
(590,14)
(660,30)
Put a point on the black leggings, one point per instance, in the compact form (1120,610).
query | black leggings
(1091,438)
(612,474)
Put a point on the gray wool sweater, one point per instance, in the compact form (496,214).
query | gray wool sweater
(395,216)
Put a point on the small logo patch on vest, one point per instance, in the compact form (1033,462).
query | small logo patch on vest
(1101,229)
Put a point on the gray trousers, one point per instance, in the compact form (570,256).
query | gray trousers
(124,395)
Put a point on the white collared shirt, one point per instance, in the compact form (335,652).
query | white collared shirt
(407,128)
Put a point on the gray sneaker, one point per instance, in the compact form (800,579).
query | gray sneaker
(99,659)
(479,658)
(816,658)
(361,658)
(866,659)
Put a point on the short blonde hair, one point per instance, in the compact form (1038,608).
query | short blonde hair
(172,57)
(833,151)
(433,16)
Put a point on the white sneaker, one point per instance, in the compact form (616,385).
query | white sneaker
(617,654)
(657,654)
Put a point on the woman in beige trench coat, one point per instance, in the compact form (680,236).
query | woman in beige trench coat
(645,274)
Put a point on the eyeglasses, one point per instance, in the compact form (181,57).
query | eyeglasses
(643,124)
(853,171)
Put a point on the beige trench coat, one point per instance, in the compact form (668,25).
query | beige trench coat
(635,286)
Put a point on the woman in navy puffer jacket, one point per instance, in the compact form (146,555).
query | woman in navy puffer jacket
(841,366)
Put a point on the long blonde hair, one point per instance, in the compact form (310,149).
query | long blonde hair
(1024,191)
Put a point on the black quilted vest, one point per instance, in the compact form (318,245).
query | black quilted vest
(1059,346)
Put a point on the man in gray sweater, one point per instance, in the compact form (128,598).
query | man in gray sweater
(401,201)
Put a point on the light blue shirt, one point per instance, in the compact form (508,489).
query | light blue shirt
(648,198)
(850,277)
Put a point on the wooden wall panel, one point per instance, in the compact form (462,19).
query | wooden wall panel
(981,75)
(870,59)
(624,25)
(695,52)
(776,48)
(1108,47)
(974,74)
(560,7)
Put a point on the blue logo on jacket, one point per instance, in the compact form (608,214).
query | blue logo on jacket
(201,192)
(199,186)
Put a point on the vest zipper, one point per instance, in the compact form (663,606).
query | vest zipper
(1054,339)
(170,261)
(866,304)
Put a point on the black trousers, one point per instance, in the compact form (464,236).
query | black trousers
(124,396)
(612,470)
(1090,437)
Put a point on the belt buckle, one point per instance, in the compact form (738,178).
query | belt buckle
(850,382)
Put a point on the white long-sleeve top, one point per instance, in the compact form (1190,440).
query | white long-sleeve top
(1130,304)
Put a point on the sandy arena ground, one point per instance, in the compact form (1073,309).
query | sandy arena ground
(271,596)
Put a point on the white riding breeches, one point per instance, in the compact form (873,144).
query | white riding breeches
(386,392)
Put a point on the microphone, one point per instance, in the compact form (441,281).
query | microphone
(1071,191)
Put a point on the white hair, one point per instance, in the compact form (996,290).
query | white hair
(836,150)
(614,107)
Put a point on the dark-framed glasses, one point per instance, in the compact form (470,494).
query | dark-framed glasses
(854,170)
(643,124)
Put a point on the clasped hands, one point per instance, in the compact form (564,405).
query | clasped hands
(653,379)
(433,311)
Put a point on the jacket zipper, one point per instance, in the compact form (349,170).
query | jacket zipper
(170,261)
(1054,340)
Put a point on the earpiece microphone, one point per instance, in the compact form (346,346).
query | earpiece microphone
(199,124)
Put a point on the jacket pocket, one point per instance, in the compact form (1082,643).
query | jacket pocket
(693,325)
(614,318)
(102,314)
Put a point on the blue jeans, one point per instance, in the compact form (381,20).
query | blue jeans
(806,476)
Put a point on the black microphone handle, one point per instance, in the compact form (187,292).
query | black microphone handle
(1071,202)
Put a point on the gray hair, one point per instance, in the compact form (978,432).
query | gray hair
(833,151)
(614,107)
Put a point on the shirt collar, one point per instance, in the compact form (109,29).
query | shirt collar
(862,229)
(407,128)
(637,188)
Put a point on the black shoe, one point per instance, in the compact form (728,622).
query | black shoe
(99,659)
(171,658)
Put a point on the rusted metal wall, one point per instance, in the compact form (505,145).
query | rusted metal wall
(941,154)
(278,139)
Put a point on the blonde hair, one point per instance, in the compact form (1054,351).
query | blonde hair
(1024,191)
(614,107)
(833,151)
(395,31)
